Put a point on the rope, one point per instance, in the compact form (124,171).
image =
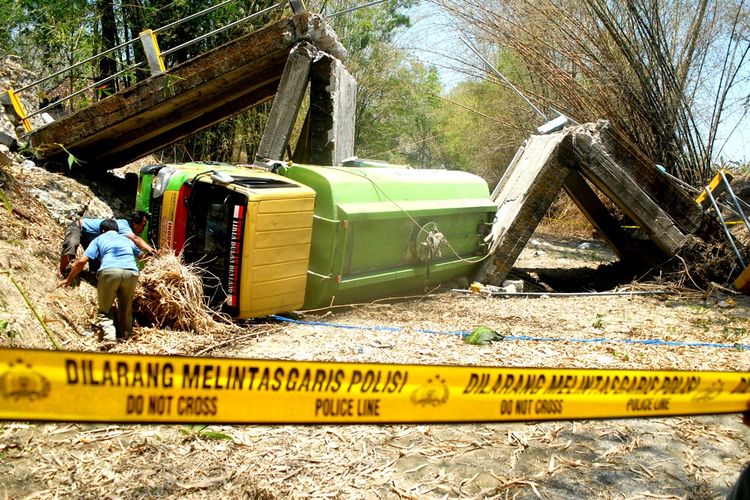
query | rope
(466,333)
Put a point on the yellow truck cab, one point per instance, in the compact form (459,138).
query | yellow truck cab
(249,231)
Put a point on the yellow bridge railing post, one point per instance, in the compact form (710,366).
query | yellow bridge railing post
(18,109)
(153,54)
(716,186)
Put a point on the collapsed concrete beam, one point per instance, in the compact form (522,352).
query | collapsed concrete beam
(530,185)
(598,166)
(286,104)
(333,102)
(625,247)
(9,141)
(682,208)
(327,135)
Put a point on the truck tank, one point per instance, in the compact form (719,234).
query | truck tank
(382,230)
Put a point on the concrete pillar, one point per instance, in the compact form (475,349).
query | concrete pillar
(333,103)
(286,103)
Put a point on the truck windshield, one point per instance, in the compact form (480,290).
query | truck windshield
(215,225)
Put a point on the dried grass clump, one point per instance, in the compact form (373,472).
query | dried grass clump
(170,294)
(702,263)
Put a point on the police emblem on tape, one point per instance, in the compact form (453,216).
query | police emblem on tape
(21,381)
(433,393)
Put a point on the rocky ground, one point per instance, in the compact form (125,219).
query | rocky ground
(681,457)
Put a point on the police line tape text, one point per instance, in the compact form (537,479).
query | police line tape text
(232,377)
(184,406)
(347,407)
(539,384)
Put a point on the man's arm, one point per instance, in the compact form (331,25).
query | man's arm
(77,268)
(141,243)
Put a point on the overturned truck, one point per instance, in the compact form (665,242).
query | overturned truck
(312,236)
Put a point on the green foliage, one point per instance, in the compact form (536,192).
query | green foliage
(619,355)
(483,335)
(360,30)
(6,201)
(72,160)
(599,321)
(201,432)
(731,332)
(480,127)
(396,109)
(48,32)
(7,329)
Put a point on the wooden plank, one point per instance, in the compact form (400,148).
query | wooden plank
(606,174)
(529,186)
(286,104)
(625,246)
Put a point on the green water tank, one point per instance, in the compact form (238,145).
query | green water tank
(383,230)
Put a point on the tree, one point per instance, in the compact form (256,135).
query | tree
(388,104)
(396,108)
(662,72)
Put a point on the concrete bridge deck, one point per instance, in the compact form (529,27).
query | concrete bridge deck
(190,97)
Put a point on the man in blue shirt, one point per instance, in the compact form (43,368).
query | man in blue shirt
(83,231)
(117,277)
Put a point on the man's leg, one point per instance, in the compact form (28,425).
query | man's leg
(106,288)
(125,302)
(69,246)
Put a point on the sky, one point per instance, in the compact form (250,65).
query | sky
(433,41)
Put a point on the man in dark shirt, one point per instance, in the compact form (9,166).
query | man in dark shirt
(83,231)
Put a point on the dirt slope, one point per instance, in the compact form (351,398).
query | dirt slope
(657,458)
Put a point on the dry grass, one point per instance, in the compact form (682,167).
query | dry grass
(170,294)
(565,219)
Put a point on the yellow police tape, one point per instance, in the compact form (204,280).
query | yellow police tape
(77,386)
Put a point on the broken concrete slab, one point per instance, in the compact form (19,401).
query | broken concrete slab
(531,183)
(602,170)
(286,103)
(190,97)
(625,246)
(333,110)
(682,207)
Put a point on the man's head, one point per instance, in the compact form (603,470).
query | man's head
(108,225)
(138,221)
